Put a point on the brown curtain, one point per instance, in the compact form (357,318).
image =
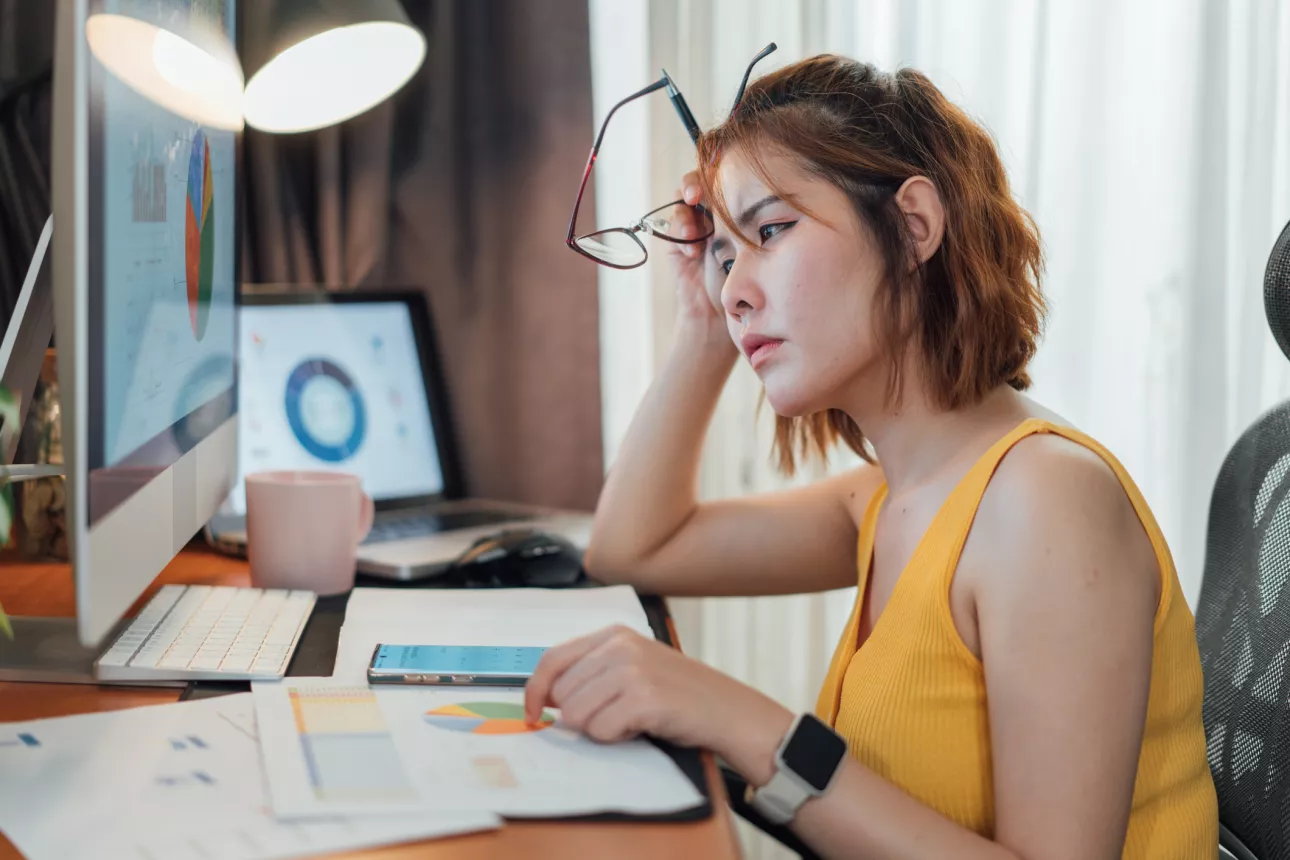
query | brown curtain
(462,184)
(26,58)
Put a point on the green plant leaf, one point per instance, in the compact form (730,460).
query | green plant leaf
(5,627)
(8,415)
(6,514)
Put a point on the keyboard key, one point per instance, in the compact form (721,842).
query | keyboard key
(115,658)
(237,663)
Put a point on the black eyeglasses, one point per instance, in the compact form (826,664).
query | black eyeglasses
(619,247)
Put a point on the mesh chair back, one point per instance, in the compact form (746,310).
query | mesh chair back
(1243,616)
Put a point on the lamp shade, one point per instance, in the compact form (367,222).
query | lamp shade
(187,66)
(329,60)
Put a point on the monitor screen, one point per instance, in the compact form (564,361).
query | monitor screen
(162,271)
(335,387)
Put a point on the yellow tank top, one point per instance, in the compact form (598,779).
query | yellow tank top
(911,703)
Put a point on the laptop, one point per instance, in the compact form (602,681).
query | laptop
(351,382)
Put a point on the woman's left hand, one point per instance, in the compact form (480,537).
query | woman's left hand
(615,684)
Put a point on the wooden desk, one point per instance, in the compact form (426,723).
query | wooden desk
(47,590)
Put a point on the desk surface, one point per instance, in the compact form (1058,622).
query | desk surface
(47,590)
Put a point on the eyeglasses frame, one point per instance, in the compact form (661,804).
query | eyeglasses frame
(641,225)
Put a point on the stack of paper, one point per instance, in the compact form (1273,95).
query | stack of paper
(171,781)
(332,749)
(310,766)
(336,746)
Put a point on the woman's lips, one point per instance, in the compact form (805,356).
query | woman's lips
(761,351)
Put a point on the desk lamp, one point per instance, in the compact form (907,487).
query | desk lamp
(329,60)
(190,70)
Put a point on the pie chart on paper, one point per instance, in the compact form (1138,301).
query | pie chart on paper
(199,235)
(486,718)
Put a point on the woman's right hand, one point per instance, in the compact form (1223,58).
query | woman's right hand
(698,277)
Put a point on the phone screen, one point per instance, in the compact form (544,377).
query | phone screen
(466,659)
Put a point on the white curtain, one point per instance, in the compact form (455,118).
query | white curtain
(1149,138)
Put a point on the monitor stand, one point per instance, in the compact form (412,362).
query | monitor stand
(22,351)
(50,650)
(42,649)
(46,649)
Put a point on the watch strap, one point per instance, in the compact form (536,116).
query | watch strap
(779,799)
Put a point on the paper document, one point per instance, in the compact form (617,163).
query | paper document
(331,748)
(504,616)
(328,751)
(173,781)
(469,748)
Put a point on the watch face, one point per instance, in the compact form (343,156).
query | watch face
(813,752)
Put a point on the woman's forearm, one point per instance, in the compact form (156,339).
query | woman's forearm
(862,815)
(650,489)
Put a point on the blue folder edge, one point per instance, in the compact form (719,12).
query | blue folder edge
(316,656)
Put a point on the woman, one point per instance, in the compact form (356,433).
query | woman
(1019,678)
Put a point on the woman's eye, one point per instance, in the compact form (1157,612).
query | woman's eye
(767,231)
(727,266)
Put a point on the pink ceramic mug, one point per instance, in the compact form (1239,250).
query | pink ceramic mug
(303,529)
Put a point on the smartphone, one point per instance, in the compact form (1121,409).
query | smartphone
(460,665)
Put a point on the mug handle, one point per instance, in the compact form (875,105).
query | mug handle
(366,514)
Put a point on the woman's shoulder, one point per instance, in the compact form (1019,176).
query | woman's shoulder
(1053,478)
(1058,494)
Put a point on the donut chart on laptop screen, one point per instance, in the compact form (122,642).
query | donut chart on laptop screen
(325,410)
(335,387)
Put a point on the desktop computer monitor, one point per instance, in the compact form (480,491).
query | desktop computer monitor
(145,267)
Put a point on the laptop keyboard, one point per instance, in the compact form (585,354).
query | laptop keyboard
(422,524)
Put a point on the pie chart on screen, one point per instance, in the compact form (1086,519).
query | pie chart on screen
(199,234)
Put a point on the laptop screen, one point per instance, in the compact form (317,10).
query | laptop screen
(335,387)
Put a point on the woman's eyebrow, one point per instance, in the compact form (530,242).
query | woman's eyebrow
(745,219)
(751,212)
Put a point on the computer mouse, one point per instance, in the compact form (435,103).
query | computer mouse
(516,558)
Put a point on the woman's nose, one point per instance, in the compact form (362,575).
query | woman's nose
(740,294)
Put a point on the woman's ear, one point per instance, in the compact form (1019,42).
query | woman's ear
(924,215)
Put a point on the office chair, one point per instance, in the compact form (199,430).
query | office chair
(1243,617)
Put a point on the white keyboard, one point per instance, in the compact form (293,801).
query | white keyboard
(209,633)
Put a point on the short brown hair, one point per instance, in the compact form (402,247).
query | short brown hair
(975,307)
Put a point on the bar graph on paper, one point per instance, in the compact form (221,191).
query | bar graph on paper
(348,750)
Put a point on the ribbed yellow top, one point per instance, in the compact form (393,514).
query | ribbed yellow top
(912,702)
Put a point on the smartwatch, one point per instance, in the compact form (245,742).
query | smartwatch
(806,763)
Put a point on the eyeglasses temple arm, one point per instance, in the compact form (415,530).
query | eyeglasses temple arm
(595,150)
(743,85)
(682,109)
